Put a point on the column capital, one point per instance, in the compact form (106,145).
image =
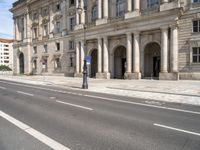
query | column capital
(164,27)
(136,33)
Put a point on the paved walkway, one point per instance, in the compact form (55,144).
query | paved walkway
(183,91)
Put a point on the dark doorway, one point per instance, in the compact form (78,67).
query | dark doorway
(21,63)
(93,69)
(123,67)
(156,66)
(119,62)
(151,60)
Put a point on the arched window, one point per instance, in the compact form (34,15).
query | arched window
(94,13)
(120,8)
(152,3)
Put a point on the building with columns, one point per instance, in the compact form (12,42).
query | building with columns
(126,39)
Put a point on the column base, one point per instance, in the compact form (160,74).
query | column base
(78,27)
(168,76)
(78,75)
(101,21)
(134,76)
(132,14)
(105,75)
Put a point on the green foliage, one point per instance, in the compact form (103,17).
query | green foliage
(4,68)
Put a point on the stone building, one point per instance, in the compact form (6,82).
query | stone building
(131,39)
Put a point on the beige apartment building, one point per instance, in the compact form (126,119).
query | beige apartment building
(6,52)
(126,39)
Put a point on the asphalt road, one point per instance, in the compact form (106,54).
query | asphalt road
(41,118)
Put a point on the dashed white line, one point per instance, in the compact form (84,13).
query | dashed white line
(24,93)
(109,99)
(176,129)
(74,105)
(3,88)
(41,137)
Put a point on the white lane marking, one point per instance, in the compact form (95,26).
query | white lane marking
(3,88)
(24,93)
(74,105)
(109,99)
(176,129)
(141,104)
(41,137)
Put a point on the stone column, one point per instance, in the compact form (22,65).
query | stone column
(174,48)
(82,55)
(105,8)
(77,58)
(99,9)
(136,5)
(25,25)
(83,12)
(77,15)
(164,50)
(15,28)
(99,55)
(136,53)
(129,5)
(129,53)
(105,58)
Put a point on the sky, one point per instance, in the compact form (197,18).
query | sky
(6,21)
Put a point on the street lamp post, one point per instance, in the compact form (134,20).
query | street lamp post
(80,10)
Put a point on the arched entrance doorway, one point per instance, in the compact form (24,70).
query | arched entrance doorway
(119,62)
(93,64)
(152,60)
(21,63)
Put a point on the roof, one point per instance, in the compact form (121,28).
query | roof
(6,40)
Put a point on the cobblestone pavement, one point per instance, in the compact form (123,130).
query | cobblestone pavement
(182,91)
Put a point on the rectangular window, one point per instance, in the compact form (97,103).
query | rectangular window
(34,33)
(45,49)
(152,3)
(57,27)
(72,23)
(35,16)
(71,3)
(71,44)
(196,26)
(57,7)
(45,30)
(35,64)
(57,63)
(196,55)
(44,65)
(196,1)
(57,46)
(35,50)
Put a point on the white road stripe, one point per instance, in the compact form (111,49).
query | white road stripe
(24,93)
(109,99)
(41,137)
(74,105)
(176,129)
(3,88)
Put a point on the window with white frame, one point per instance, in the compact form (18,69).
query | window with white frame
(58,30)
(72,23)
(94,13)
(45,30)
(71,44)
(120,8)
(196,26)
(35,33)
(196,54)
(45,48)
(196,1)
(152,3)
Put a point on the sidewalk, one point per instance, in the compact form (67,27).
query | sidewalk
(183,91)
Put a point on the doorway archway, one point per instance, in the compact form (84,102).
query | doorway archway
(152,60)
(93,64)
(21,63)
(119,62)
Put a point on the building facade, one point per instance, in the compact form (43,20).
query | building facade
(126,39)
(6,52)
